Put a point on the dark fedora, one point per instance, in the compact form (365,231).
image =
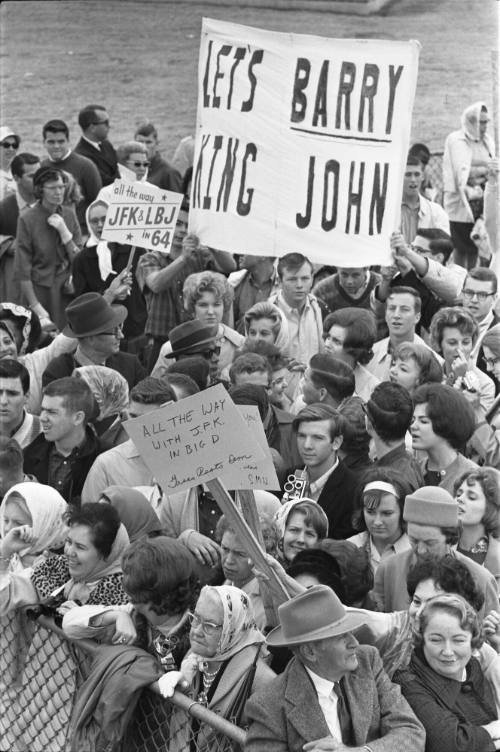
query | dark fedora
(190,337)
(313,615)
(91,314)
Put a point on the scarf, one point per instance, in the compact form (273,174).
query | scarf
(47,507)
(135,511)
(109,388)
(103,250)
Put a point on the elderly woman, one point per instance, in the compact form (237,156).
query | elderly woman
(301,524)
(349,334)
(454,334)
(478,497)
(20,333)
(88,572)
(444,682)
(110,390)
(465,168)
(133,163)
(380,516)
(48,239)
(104,267)
(226,663)
(208,297)
(265,322)
(415,364)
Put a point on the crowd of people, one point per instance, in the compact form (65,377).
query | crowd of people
(379,394)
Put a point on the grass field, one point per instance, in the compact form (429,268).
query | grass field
(140,59)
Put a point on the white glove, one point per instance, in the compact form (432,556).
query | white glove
(168,682)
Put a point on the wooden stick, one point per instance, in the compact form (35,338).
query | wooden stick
(130,258)
(248,539)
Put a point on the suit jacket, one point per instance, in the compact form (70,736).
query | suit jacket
(287,714)
(337,499)
(104,159)
(125,363)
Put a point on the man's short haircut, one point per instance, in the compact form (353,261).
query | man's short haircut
(152,391)
(356,443)
(11,456)
(88,114)
(355,568)
(13,369)
(251,394)
(452,318)
(76,395)
(451,416)
(332,374)
(292,262)
(249,363)
(194,366)
(449,574)
(402,290)
(318,411)
(130,147)
(390,410)
(421,151)
(427,362)
(411,159)
(361,332)
(146,130)
(267,350)
(184,382)
(55,126)
(439,241)
(20,161)
(482,274)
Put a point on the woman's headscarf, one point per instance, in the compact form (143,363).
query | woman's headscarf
(282,341)
(238,624)
(47,507)
(109,388)
(281,516)
(103,250)
(135,511)
(470,120)
(78,590)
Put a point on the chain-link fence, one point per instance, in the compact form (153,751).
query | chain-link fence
(434,174)
(36,704)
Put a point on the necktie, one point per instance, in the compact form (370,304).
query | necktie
(343,714)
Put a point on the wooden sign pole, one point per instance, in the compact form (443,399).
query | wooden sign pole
(248,539)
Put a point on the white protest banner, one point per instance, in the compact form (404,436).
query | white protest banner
(301,143)
(193,441)
(256,473)
(140,214)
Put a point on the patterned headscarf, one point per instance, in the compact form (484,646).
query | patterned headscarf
(238,623)
(109,388)
(47,507)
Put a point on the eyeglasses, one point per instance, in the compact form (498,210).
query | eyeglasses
(419,249)
(209,627)
(210,353)
(470,294)
(9,145)
(139,164)
(101,122)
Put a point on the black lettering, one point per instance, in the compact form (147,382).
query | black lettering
(206,98)
(346,85)
(354,199)
(238,55)
(299,101)
(320,103)
(227,176)
(393,82)
(224,50)
(243,207)
(368,90)
(377,203)
(207,201)
(303,220)
(332,168)
(256,58)
(196,191)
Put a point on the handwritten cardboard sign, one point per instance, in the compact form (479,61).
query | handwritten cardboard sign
(301,143)
(143,215)
(194,440)
(255,473)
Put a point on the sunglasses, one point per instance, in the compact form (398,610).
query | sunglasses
(210,353)
(9,145)
(101,122)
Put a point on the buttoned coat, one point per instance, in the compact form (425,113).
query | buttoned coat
(287,714)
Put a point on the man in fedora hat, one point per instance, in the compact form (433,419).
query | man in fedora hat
(334,693)
(194,338)
(97,326)
(431,516)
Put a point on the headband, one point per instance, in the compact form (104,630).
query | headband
(380,485)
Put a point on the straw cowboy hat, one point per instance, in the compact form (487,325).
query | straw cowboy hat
(91,314)
(313,615)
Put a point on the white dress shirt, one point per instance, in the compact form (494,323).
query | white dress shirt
(328,703)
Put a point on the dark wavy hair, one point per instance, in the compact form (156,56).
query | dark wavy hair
(488,478)
(355,568)
(449,574)
(103,521)
(161,572)
(451,416)
(371,499)
(361,332)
